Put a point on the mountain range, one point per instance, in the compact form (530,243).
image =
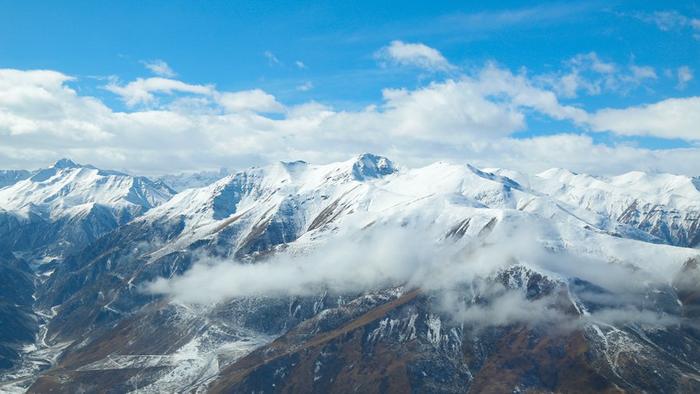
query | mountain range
(356,276)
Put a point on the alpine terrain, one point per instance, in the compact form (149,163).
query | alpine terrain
(357,276)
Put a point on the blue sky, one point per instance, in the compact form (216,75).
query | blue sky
(344,56)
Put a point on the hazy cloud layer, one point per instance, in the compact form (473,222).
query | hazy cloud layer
(385,256)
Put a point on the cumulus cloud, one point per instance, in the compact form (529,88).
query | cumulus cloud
(38,104)
(415,55)
(159,68)
(176,126)
(254,100)
(670,118)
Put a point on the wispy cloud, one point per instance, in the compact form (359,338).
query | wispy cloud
(141,91)
(589,74)
(271,58)
(455,274)
(305,87)
(453,24)
(159,68)
(671,21)
(413,54)
(500,19)
(684,74)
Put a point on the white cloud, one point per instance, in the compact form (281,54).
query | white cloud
(672,21)
(391,253)
(141,91)
(300,64)
(414,54)
(34,104)
(305,275)
(580,153)
(592,61)
(305,87)
(495,81)
(643,72)
(588,73)
(271,58)
(671,118)
(159,68)
(667,20)
(684,75)
(469,118)
(254,100)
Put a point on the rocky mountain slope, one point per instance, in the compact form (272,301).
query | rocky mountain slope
(361,276)
(63,208)
(665,206)
(10,177)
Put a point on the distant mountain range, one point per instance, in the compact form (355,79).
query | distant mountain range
(357,276)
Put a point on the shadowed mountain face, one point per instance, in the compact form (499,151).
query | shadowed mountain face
(352,277)
(18,322)
(10,177)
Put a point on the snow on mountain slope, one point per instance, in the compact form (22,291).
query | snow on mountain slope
(286,200)
(74,203)
(67,189)
(318,213)
(183,181)
(663,205)
(281,200)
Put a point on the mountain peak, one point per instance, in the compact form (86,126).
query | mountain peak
(368,165)
(554,173)
(65,163)
(294,165)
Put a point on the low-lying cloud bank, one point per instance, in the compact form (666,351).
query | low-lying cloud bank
(457,273)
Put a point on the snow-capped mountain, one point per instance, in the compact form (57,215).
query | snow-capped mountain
(183,181)
(10,177)
(664,205)
(68,205)
(281,200)
(365,276)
